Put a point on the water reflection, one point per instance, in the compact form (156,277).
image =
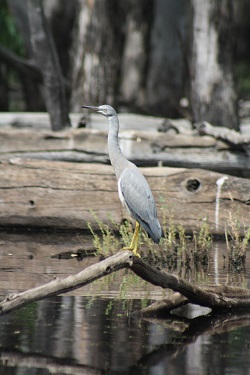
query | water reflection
(29,260)
(83,335)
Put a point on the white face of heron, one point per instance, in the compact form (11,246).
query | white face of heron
(107,110)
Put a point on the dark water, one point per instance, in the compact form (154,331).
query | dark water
(96,330)
(80,335)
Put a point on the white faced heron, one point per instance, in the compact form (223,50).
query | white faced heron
(133,189)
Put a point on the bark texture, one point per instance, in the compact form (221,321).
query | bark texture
(135,55)
(97,53)
(212,94)
(177,145)
(37,193)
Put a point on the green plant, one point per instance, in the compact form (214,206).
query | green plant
(107,243)
(177,251)
(202,243)
(204,240)
(10,36)
(236,241)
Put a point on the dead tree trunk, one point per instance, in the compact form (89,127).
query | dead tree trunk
(97,53)
(47,61)
(127,53)
(135,54)
(61,15)
(4,89)
(166,73)
(212,96)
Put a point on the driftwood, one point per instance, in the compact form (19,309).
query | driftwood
(215,297)
(45,194)
(139,138)
(231,137)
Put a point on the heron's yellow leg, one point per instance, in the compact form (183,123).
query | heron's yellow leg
(134,243)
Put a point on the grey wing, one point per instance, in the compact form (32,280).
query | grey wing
(137,196)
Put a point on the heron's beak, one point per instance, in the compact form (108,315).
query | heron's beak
(93,108)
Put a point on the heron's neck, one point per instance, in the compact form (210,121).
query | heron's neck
(117,159)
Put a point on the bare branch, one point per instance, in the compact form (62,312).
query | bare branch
(215,297)
(229,136)
(114,263)
(21,65)
(46,59)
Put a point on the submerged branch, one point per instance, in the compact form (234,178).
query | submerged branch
(52,365)
(216,297)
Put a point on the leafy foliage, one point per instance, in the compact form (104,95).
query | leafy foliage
(236,243)
(10,37)
(176,251)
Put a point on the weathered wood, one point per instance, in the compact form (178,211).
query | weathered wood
(62,195)
(145,148)
(135,56)
(128,121)
(166,76)
(231,137)
(97,52)
(212,89)
(215,297)
(57,286)
(163,307)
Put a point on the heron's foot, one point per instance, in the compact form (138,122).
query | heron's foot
(134,243)
(134,250)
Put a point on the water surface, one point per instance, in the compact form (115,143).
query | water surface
(80,335)
(96,330)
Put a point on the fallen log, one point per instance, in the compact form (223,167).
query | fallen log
(144,145)
(231,137)
(220,297)
(46,194)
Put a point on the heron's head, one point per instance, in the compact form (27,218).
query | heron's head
(105,110)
